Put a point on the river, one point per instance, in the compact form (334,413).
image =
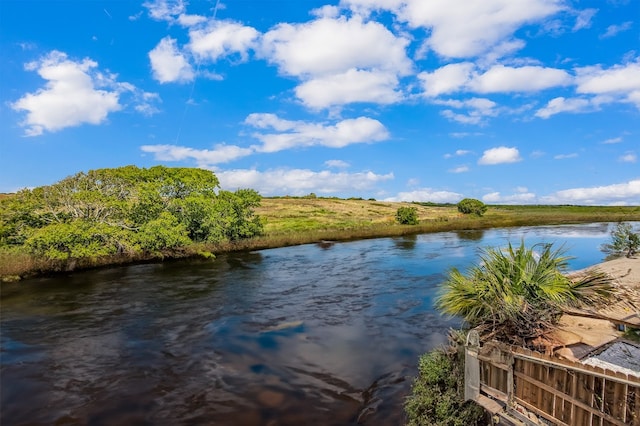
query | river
(319,334)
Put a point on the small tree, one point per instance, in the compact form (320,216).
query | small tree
(471,205)
(407,215)
(623,241)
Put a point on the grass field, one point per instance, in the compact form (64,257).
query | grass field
(286,215)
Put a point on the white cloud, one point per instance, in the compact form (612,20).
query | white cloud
(519,198)
(500,155)
(497,79)
(447,79)
(613,140)
(460,169)
(458,153)
(349,87)
(613,30)
(190,20)
(460,135)
(168,63)
(203,157)
(300,181)
(338,164)
(464,29)
(75,93)
(332,46)
(222,38)
(561,104)
(500,78)
(427,194)
(293,134)
(584,18)
(620,83)
(478,109)
(565,156)
(619,78)
(165,10)
(629,157)
(628,192)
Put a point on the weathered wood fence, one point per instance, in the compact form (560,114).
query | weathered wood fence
(560,391)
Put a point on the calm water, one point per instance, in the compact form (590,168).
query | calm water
(311,335)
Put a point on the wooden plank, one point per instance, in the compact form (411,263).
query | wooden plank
(636,411)
(574,391)
(543,414)
(614,399)
(547,397)
(489,404)
(578,403)
(520,385)
(494,393)
(564,382)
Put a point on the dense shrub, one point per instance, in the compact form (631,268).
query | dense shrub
(407,215)
(472,206)
(437,393)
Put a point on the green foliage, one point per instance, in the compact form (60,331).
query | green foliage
(437,393)
(623,241)
(472,206)
(62,241)
(126,210)
(235,218)
(407,215)
(516,294)
(163,233)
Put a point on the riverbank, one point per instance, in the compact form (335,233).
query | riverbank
(290,221)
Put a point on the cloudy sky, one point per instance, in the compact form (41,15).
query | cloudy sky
(507,101)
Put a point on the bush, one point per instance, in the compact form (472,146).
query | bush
(62,241)
(437,393)
(164,233)
(471,205)
(407,216)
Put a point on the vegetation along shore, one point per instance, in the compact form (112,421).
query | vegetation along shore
(130,214)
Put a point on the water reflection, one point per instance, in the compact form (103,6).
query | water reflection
(325,334)
(471,234)
(406,242)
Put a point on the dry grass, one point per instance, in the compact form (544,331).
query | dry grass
(284,215)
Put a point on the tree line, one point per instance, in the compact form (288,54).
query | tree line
(126,211)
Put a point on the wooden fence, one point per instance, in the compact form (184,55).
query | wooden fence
(560,391)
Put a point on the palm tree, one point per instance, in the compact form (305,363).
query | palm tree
(517,294)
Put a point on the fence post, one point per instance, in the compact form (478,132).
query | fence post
(472,366)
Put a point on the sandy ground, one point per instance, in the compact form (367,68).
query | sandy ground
(581,335)
(625,271)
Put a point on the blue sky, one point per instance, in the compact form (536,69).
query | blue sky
(506,101)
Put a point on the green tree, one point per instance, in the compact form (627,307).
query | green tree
(235,215)
(472,206)
(517,294)
(407,215)
(19,215)
(124,210)
(623,241)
